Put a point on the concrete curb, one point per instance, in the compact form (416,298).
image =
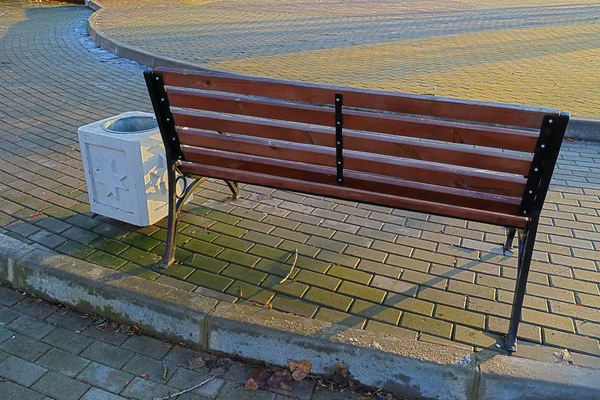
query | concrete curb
(405,367)
(584,129)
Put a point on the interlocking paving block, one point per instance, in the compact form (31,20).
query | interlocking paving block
(148,368)
(180,356)
(9,297)
(295,306)
(337,317)
(35,307)
(75,249)
(391,331)
(60,386)
(105,353)
(21,371)
(110,246)
(24,347)
(460,316)
(477,338)
(526,331)
(328,299)
(236,391)
(302,390)
(376,312)
(147,346)
(5,334)
(567,340)
(28,394)
(99,394)
(326,394)
(105,259)
(184,378)
(67,340)
(69,319)
(64,362)
(425,324)
(215,282)
(114,338)
(10,389)
(105,377)
(143,389)
(47,239)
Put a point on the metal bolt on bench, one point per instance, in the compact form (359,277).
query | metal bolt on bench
(483,162)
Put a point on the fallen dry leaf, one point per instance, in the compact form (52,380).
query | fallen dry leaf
(281,380)
(260,377)
(251,385)
(300,369)
(196,362)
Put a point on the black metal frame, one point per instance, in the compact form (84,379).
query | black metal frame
(164,118)
(339,138)
(538,181)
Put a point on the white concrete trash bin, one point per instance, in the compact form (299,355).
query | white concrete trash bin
(126,168)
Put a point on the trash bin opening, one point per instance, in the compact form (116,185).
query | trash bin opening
(132,124)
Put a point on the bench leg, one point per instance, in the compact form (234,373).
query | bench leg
(169,257)
(510,236)
(526,243)
(235,189)
(176,203)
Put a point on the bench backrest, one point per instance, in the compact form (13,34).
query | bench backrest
(473,160)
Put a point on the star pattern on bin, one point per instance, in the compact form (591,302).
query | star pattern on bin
(157,175)
(107,175)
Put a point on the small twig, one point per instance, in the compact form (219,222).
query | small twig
(291,269)
(185,391)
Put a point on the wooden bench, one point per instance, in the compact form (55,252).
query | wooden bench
(476,161)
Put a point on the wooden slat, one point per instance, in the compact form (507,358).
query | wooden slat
(494,113)
(297,168)
(345,193)
(503,138)
(414,170)
(491,160)
(354,140)
(317,155)
(455,132)
(437,174)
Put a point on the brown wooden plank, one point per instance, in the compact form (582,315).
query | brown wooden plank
(455,132)
(280,182)
(270,129)
(414,170)
(497,137)
(494,113)
(316,155)
(433,193)
(297,169)
(354,140)
(444,153)
(437,174)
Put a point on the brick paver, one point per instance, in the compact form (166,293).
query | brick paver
(498,50)
(74,375)
(372,267)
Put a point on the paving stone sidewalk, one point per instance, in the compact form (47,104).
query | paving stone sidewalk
(535,52)
(433,279)
(49,352)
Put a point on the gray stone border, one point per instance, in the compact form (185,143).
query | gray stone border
(406,367)
(585,129)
